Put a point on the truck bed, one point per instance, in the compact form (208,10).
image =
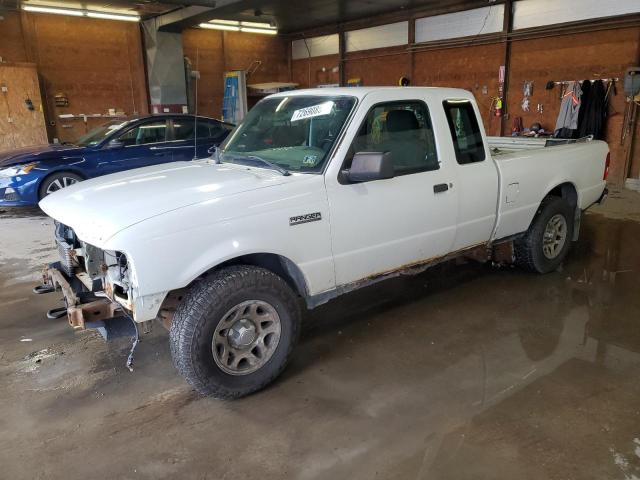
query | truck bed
(502,145)
(530,168)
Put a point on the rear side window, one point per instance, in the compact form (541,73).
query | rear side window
(209,129)
(465,131)
(151,132)
(183,129)
(186,129)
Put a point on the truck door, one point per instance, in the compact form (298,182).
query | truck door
(383,225)
(476,171)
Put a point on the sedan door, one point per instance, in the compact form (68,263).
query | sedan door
(382,225)
(142,145)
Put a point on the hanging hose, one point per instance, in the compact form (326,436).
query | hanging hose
(136,340)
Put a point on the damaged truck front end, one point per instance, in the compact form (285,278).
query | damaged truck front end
(96,285)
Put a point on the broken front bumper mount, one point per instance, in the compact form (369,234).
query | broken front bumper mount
(85,309)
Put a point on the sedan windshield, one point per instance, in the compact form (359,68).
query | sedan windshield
(293,133)
(98,134)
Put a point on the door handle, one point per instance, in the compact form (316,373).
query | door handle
(440,187)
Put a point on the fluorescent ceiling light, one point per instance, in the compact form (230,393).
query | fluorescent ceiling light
(256,24)
(258,30)
(225,22)
(114,16)
(80,13)
(213,26)
(237,26)
(57,11)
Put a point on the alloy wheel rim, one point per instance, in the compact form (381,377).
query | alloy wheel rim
(555,236)
(246,337)
(60,183)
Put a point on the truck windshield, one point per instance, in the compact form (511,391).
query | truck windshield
(98,134)
(295,133)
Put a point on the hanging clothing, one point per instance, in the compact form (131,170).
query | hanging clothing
(584,100)
(593,119)
(567,121)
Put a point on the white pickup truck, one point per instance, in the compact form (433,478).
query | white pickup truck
(316,193)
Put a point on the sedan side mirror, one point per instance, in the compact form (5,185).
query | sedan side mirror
(115,143)
(212,150)
(369,166)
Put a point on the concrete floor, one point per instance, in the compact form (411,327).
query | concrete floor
(467,372)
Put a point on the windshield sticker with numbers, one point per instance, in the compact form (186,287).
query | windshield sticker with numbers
(313,111)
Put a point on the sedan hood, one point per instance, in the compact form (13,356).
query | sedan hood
(97,209)
(33,154)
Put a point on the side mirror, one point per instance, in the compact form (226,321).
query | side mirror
(368,166)
(212,150)
(115,143)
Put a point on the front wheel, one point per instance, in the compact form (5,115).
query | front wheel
(234,331)
(56,182)
(547,242)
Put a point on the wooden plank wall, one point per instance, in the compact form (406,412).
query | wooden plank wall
(19,126)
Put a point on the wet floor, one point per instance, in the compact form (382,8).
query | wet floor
(464,372)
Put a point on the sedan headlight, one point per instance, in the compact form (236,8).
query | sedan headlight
(17,170)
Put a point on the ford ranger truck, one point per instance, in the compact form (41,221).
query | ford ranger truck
(317,193)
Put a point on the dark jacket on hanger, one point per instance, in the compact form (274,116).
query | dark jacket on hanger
(593,118)
(584,100)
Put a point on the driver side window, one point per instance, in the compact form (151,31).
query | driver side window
(153,132)
(402,128)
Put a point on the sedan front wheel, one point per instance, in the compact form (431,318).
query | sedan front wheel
(56,182)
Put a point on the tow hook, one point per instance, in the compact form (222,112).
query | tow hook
(43,289)
(56,313)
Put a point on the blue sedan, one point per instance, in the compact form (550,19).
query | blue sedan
(29,174)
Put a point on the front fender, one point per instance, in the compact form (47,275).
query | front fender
(171,250)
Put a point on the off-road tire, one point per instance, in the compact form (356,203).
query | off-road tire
(204,306)
(529,248)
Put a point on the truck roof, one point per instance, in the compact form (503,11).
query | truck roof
(361,92)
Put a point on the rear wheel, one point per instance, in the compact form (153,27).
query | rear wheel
(56,182)
(234,331)
(547,242)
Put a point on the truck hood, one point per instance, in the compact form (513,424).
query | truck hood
(33,154)
(97,209)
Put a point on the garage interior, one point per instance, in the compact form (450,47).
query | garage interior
(465,371)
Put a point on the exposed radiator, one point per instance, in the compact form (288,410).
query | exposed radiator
(66,261)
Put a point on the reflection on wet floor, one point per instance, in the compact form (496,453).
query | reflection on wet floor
(464,372)
(539,373)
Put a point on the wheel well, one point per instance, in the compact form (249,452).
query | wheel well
(49,175)
(281,266)
(566,191)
